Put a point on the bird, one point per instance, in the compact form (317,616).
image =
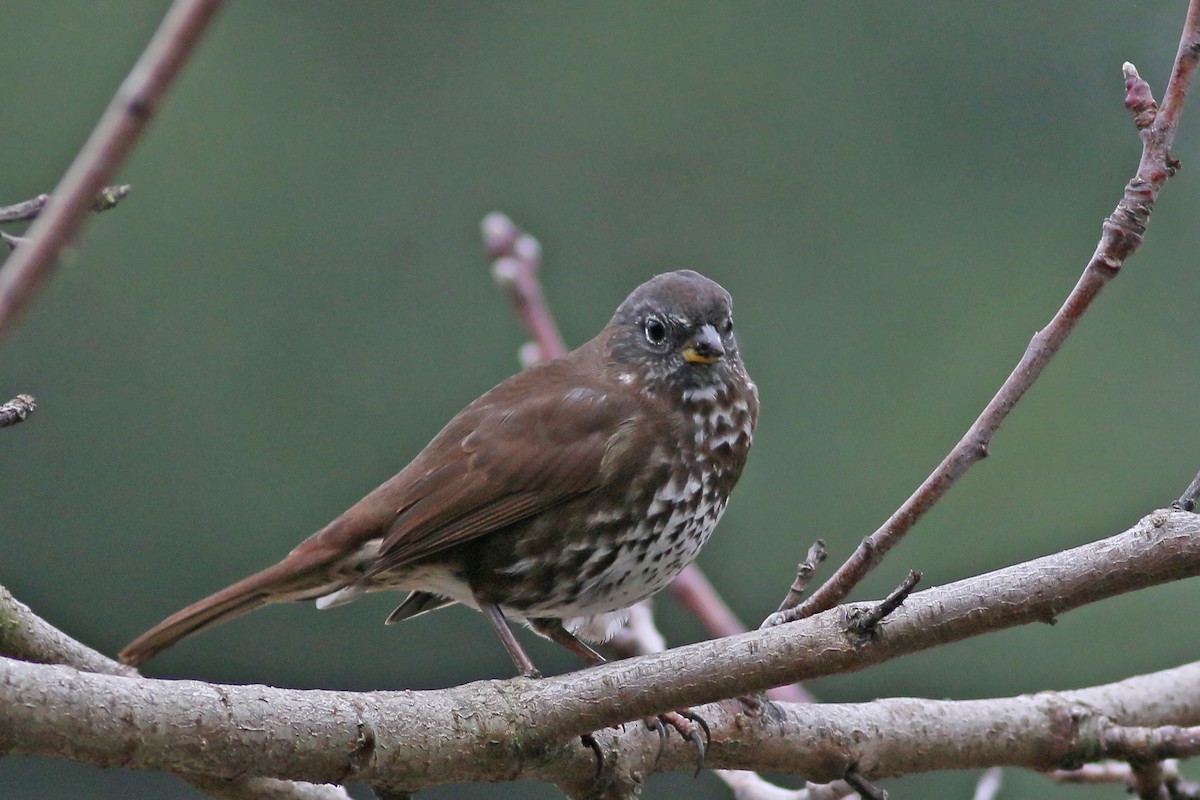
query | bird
(559,498)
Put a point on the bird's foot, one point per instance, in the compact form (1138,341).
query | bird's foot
(688,725)
(589,741)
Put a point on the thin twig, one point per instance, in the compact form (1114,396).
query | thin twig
(17,410)
(1150,744)
(26,209)
(805,571)
(1122,234)
(865,624)
(865,788)
(516,257)
(1187,500)
(107,198)
(135,102)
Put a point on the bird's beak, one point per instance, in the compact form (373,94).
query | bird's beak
(705,347)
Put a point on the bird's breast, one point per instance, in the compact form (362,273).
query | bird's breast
(637,537)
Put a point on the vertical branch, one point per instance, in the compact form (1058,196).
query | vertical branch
(135,102)
(1181,77)
(516,257)
(1121,236)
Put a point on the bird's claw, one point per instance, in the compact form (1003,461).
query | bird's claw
(589,741)
(655,724)
(687,713)
(688,725)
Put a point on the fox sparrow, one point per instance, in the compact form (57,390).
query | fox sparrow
(567,493)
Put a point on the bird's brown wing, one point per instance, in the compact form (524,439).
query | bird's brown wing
(534,441)
(509,456)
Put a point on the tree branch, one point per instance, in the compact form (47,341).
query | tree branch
(805,571)
(17,410)
(516,258)
(107,199)
(500,730)
(1151,744)
(1122,234)
(417,739)
(27,636)
(119,128)
(1121,772)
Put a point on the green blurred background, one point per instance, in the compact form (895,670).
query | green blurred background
(293,300)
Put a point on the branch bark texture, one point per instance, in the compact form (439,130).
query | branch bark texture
(27,636)
(419,739)
(501,730)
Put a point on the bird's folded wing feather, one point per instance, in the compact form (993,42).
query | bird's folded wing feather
(510,455)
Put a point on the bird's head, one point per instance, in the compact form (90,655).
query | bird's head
(676,331)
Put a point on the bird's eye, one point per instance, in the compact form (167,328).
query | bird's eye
(727,326)
(656,331)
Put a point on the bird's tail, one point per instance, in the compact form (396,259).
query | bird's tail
(291,579)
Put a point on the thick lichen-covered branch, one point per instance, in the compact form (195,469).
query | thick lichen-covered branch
(502,730)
